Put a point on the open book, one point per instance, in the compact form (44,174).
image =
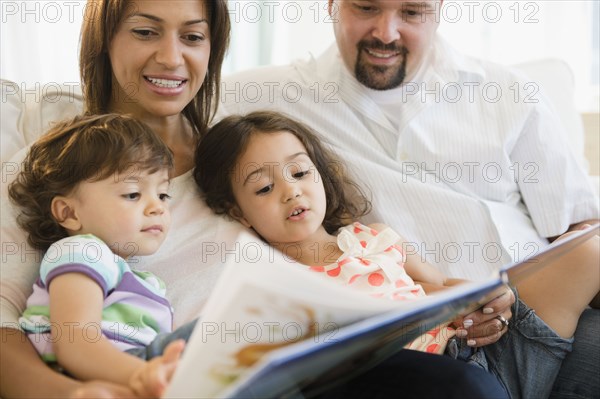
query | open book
(271,328)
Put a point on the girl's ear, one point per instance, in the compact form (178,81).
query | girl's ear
(64,212)
(236,213)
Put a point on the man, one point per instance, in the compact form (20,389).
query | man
(471,177)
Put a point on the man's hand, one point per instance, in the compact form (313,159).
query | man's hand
(485,325)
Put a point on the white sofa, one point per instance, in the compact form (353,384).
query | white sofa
(25,113)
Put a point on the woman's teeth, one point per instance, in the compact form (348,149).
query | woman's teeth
(165,82)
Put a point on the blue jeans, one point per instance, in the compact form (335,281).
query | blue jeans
(526,359)
(579,376)
(158,345)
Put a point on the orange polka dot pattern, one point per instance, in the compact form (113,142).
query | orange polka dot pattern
(373,262)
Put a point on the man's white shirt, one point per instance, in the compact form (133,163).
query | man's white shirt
(469,170)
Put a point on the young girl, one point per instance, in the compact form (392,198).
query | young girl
(273,175)
(93,193)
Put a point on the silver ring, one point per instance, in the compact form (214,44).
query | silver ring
(502,320)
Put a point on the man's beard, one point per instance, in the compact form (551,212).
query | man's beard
(380,77)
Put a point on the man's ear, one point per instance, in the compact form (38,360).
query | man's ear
(330,8)
(64,212)
(236,213)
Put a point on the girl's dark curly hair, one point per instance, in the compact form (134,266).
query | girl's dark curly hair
(86,148)
(218,153)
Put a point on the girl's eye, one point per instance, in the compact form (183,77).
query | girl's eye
(300,175)
(164,197)
(265,190)
(131,196)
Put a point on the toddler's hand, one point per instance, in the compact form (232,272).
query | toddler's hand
(151,380)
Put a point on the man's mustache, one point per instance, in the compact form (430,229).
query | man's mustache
(375,44)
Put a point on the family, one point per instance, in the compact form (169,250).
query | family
(188,166)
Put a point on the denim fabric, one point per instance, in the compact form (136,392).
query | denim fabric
(526,359)
(579,376)
(158,345)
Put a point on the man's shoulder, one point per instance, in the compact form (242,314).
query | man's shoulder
(261,74)
(450,61)
(296,84)
(301,71)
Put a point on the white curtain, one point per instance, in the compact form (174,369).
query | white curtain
(504,31)
(512,32)
(39,39)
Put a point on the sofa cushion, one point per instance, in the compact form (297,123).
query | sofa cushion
(556,81)
(28,113)
(12,114)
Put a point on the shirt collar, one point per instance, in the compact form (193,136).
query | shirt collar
(450,65)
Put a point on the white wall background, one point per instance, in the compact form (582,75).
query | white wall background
(39,39)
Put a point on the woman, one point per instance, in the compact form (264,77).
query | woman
(160,61)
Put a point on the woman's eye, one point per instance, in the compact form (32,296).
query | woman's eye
(412,13)
(131,196)
(143,33)
(164,197)
(193,38)
(265,189)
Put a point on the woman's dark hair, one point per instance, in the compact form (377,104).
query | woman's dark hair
(86,148)
(218,152)
(101,21)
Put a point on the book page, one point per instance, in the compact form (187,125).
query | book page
(256,309)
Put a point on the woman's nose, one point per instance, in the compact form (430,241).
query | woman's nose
(169,52)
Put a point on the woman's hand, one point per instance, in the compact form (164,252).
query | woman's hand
(485,326)
(151,380)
